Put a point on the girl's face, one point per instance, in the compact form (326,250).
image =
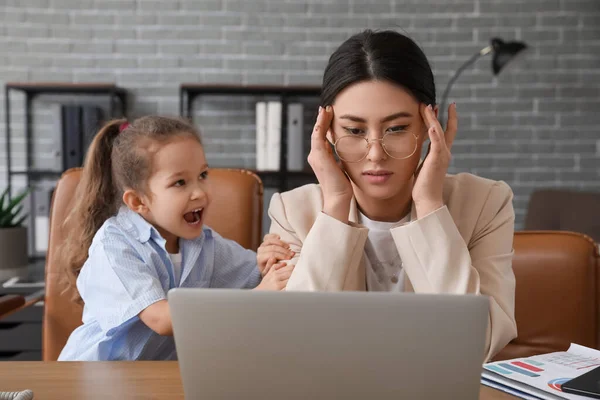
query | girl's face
(178,190)
(371,110)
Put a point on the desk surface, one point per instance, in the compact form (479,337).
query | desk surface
(111,380)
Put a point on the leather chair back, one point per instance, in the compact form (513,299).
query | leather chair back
(557,301)
(235,213)
(564,210)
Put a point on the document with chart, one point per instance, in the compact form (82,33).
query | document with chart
(541,376)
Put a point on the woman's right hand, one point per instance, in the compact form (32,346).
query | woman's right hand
(335,185)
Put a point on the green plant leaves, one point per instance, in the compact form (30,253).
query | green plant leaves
(12,208)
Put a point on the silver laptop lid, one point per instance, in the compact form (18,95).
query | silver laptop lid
(241,344)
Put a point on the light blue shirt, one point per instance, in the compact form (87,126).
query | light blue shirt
(128,269)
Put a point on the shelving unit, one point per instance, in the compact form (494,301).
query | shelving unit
(188,92)
(31,91)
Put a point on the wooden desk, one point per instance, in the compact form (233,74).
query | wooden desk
(111,380)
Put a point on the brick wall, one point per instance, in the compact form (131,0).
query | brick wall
(534,126)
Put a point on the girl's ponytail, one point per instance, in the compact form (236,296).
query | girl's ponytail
(95,202)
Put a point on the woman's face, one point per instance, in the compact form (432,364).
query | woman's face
(370,110)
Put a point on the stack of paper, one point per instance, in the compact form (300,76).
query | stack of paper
(541,377)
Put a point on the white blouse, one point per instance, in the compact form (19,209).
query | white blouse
(384,267)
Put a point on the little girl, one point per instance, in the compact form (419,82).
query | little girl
(137,224)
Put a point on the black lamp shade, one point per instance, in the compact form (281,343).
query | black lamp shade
(504,52)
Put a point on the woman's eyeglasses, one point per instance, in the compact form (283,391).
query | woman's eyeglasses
(397,145)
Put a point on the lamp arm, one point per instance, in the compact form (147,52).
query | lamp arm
(469,62)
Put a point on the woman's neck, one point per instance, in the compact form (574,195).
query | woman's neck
(392,209)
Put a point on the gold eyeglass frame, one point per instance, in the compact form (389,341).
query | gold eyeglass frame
(381,142)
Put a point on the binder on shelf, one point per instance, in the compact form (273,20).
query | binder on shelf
(72,138)
(56,143)
(273,135)
(92,118)
(295,138)
(261,136)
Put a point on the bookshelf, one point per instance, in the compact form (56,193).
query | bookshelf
(281,179)
(31,90)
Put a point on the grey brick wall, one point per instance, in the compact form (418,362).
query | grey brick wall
(534,126)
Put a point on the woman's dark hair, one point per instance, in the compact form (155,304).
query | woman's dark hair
(383,56)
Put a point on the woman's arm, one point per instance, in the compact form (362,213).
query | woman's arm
(328,255)
(437,260)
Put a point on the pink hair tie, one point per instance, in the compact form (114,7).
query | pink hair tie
(123,126)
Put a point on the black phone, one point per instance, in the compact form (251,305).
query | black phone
(587,384)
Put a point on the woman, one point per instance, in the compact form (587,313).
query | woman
(381,220)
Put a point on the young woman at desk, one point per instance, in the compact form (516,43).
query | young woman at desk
(380,220)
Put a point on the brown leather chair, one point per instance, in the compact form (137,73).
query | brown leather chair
(557,294)
(564,210)
(235,213)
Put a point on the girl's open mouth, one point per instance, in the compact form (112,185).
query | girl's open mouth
(194,217)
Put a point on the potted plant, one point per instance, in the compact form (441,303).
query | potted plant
(13,236)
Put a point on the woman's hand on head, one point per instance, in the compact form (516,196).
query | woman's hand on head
(429,182)
(271,251)
(335,185)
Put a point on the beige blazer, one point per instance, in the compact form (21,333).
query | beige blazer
(464,247)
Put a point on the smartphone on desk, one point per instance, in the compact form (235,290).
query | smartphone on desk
(587,384)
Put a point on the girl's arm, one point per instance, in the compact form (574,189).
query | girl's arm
(157,317)
(233,265)
(116,284)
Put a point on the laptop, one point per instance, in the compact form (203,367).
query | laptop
(252,345)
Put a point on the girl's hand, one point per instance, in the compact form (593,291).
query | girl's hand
(429,177)
(276,278)
(335,185)
(271,251)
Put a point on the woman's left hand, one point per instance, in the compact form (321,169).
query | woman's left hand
(429,177)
